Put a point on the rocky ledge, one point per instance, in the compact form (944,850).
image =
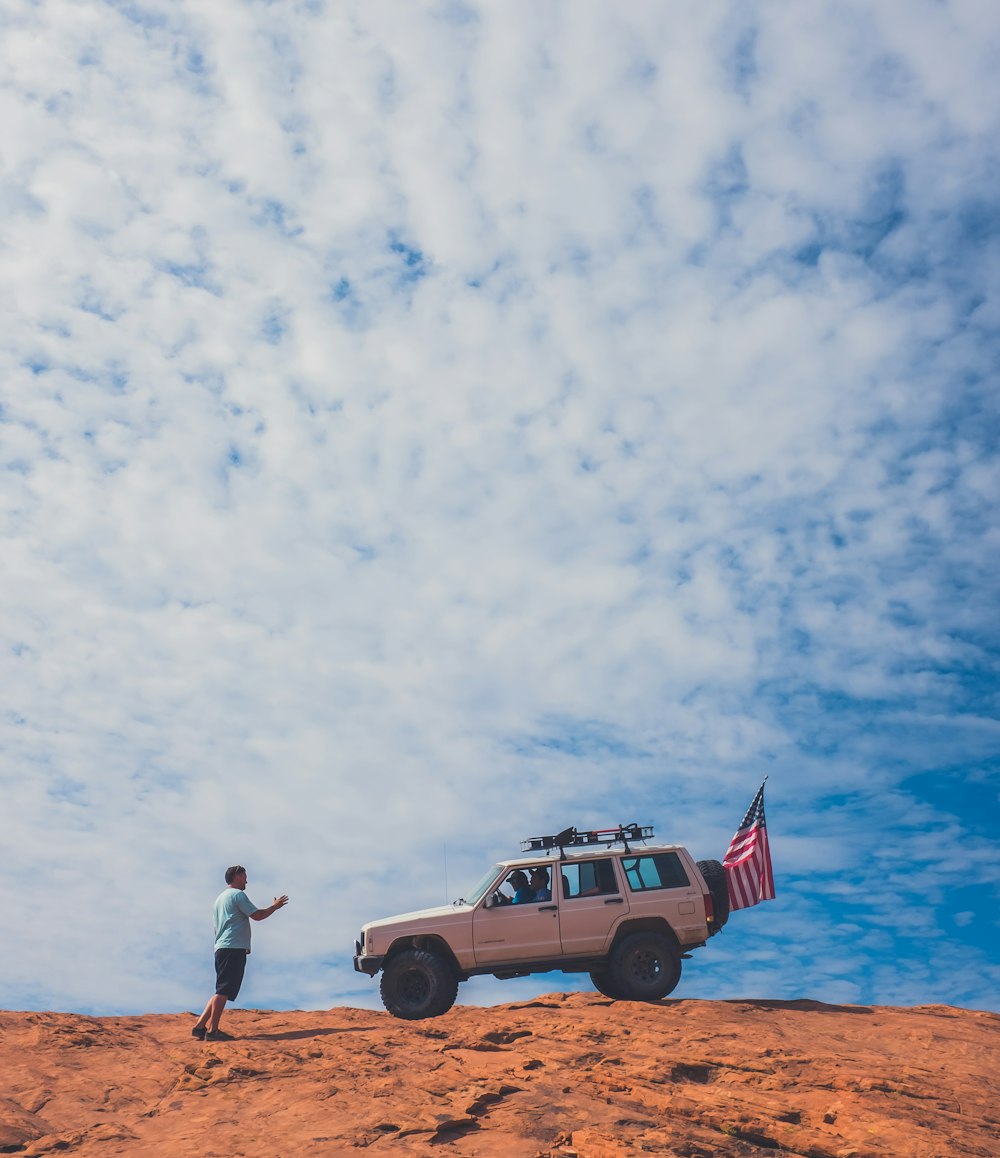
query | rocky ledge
(566,1074)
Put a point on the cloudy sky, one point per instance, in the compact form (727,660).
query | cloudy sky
(428,425)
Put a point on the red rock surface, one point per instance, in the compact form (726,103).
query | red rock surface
(565,1074)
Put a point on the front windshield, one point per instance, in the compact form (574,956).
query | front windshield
(487,879)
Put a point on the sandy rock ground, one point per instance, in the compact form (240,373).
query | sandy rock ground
(564,1075)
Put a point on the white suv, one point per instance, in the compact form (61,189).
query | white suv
(626,915)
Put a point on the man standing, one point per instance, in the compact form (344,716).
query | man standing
(233,913)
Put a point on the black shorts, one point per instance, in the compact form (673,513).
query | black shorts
(230,965)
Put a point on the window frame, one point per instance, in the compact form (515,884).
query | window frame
(635,874)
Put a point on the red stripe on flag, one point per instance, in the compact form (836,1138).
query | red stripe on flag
(748,868)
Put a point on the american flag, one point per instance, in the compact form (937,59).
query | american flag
(748,860)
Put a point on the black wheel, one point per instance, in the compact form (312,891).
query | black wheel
(718,888)
(603,984)
(644,967)
(417,983)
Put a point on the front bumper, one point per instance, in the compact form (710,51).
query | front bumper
(363,964)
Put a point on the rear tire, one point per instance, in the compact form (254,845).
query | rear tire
(417,983)
(645,966)
(603,984)
(718,887)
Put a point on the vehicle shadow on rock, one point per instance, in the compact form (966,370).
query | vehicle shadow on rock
(300,1034)
(801,1004)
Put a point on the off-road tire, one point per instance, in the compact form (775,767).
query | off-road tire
(603,984)
(417,983)
(718,887)
(644,966)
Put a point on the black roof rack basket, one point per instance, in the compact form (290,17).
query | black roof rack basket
(580,838)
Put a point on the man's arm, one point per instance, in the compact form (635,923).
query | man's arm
(263,914)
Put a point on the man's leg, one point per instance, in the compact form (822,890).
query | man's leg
(214,1010)
(225,979)
(229,968)
(206,1013)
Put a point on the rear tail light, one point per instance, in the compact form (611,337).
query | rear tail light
(709,909)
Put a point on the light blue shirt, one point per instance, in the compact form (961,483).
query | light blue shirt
(232,919)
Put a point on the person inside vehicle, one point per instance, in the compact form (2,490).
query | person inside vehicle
(540,884)
(523,892)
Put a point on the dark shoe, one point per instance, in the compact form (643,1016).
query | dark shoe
(219,1035)
(199,1032)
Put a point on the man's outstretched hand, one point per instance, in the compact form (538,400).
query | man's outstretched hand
(263,914)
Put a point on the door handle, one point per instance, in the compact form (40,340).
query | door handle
(547,908)
(615,901)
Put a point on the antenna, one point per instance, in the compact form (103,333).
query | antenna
(447,894)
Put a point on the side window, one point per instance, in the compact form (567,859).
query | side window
(589,878)
(661,871)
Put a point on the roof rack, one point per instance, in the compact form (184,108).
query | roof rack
(575,838)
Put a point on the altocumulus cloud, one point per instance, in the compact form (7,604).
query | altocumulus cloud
(425,425)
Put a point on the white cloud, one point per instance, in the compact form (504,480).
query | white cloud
(423,426)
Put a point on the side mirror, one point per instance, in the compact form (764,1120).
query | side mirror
(490,901)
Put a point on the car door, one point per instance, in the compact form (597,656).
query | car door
(591,902)
(511,933)
(658,885)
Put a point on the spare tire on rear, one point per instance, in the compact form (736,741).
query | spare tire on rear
(718,888)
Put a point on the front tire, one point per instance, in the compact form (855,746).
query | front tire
(644,966)
(417,984)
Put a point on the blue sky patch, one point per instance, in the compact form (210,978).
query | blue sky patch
(412,263)
(272,213)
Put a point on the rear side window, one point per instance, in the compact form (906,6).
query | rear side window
(663,870)
(590,878)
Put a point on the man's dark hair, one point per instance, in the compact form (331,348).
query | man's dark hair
(232,872)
